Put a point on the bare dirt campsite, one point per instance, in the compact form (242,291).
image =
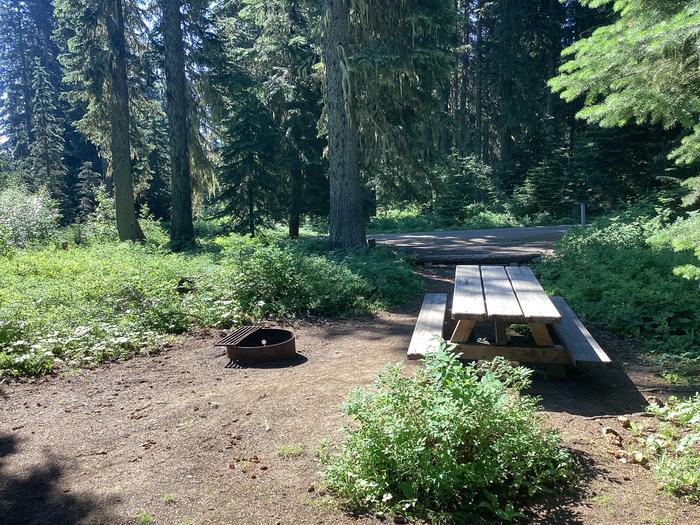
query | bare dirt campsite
(179,437)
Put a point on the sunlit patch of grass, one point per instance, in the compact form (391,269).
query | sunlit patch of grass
(290,450)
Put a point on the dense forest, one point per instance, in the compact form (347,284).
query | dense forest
(235,127)
(259,113)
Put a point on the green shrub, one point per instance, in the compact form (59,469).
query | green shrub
(108,300)
(100,225)
(25,218)
(450,439)
(611,275)
(674,447)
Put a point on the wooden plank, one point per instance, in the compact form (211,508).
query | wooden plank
(468,298)
(583,349)
(501,301)
(462,331)
(555,355)
(429,325)
(534,302)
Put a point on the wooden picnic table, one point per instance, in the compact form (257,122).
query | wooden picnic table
(506,295)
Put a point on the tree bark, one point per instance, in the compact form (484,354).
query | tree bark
(251,211)
(463,74)
(127,223)
(479,80)
(553,52)
(181,228)
(295,196)
(347,224)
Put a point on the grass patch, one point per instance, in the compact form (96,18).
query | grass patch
(290,450)
(144,518)
(106,300)
(448,442)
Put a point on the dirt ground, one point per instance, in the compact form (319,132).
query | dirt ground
(182,439)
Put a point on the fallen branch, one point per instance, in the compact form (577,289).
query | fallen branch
(608,416)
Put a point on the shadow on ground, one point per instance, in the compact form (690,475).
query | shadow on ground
(36,497)
(563,506)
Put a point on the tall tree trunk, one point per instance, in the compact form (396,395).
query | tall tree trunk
(251,211)
(479,80)
(463,73)
(181,228)
(295,195)
(347,224)
(552,56)
(127,224)
(26,73)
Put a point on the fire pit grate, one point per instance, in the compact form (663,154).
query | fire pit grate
(254,344)
(236,337)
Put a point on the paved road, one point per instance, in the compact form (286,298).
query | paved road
(496,244)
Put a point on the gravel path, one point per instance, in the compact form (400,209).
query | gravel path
(496,244)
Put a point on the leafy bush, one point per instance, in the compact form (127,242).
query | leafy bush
(103,300)
(25,218)
(100,225)
(612,275)
(450,439)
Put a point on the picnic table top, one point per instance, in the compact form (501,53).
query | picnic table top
(501,293)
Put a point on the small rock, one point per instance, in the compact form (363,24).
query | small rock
(612,436)
(655,401)
(311,488)
(213,404)
(624,421)
(248,413)
(263,467)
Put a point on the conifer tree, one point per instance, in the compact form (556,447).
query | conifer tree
(87,185)
(181,228)
(251,193)
(347,223)
(641,68)
(45,166)
(282,60)
(26,27)
(95,62)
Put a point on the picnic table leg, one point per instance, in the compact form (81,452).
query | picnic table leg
(462,330)
(501,335)
(541,334)
(542,337)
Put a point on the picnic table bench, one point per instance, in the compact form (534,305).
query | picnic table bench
(506,295)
